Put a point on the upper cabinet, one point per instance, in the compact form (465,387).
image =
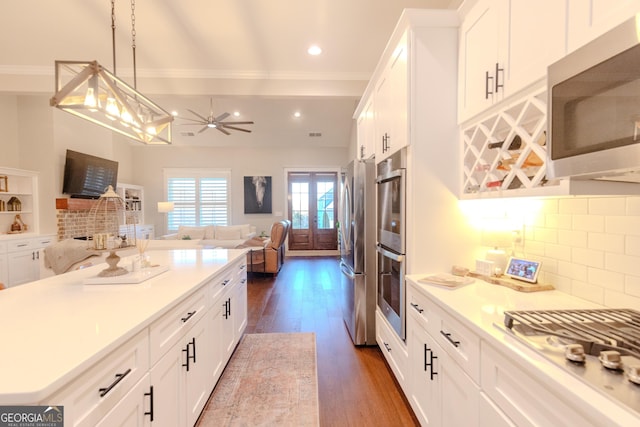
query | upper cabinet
(505,46)
(366,131)
(591,18)
(391,93)
(407,86)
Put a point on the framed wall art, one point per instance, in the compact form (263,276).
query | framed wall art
(4,186)
(257,194)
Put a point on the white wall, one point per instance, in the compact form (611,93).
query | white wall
(149,163)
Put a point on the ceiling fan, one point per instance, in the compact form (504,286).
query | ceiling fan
(215,122)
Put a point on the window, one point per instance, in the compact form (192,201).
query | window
(200,197)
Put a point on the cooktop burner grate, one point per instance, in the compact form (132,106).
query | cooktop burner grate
(596,329)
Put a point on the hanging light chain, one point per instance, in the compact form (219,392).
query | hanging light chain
(113,33)
(133,40)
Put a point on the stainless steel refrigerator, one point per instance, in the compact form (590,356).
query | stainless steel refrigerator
(358,251)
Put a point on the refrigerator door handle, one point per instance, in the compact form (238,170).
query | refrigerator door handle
(347,271)
(392,255)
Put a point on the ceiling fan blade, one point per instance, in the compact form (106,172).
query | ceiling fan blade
(203,129)
(221,117)
(198,115)
(222,129)
(192,120)
(235,128)
(236,123)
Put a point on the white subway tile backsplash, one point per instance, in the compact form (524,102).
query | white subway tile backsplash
(606,242)
(575,238)
(606,279)
(628,225)
(625,264)
(633,206)
(573,206)
(557,252)
(559,282)
(588,292)
(620,300)
(632,286)
(559,221)
(546,235)
(572,270)
(550,206)
(534,248)
(593,223)
(588,257)
(607,206)
(632,245)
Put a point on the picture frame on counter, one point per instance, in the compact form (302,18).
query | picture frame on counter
(4,184)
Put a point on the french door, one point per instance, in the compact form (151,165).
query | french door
(312,200)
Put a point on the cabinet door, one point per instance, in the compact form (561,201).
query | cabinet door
(24,267)
(239,309)
(168,389)
(4,274)
(133,410)
(198,376)
(460,395)
(590,18)
(535,39)
(382,117)
(425,381)
(478,50)
(366,132)
(218,351)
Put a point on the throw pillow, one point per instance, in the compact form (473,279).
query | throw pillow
(194,233)
(228,233)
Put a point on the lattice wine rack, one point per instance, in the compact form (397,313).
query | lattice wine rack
(506,151)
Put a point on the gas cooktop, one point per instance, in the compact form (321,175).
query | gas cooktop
(599,346)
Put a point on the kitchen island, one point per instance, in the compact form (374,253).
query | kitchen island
(464,362)
(155,348)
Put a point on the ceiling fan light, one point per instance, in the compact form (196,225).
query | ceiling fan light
(314,50)
(211,125)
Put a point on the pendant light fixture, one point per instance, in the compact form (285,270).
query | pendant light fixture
(88,90)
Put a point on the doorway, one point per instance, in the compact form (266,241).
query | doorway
(312,209)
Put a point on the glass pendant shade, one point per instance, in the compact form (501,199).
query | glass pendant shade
(88,90)
(111,227)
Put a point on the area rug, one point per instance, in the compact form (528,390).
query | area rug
(271,380)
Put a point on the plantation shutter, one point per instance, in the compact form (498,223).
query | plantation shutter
(200,197)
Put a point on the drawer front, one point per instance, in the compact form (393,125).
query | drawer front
(167,330)
(20,245)
(421,309)
(93,394)
(459,342)
(393,349)
(225,280)
(42,242)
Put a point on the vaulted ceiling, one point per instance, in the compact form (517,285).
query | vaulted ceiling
(248,56)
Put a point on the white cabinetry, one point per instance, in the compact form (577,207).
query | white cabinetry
(506,45)
(366,132)
(111,382)
(391,94)
(591,18)
(4,271)
(525,400)
(133,196)
(444,366)
(393,349)
(25,259)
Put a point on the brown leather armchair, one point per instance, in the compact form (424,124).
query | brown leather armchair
(270,257)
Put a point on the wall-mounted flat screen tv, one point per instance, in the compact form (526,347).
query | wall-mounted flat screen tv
(87,176)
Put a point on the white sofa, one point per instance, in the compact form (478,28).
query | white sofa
(218,236)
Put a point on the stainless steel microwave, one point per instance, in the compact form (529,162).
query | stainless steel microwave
(594,109)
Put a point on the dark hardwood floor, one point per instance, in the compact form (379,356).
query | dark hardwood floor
(356,387)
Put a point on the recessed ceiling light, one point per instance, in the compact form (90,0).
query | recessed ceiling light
(297,114)
(314,50)
(174,113)
(236,113)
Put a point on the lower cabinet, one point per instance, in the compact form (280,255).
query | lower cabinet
(24,259)
(393,349)
(440,391)
(166,373)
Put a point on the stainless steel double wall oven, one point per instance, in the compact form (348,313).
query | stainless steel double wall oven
(390,245)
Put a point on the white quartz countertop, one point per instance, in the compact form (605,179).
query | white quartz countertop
(53,329)
(481,307)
